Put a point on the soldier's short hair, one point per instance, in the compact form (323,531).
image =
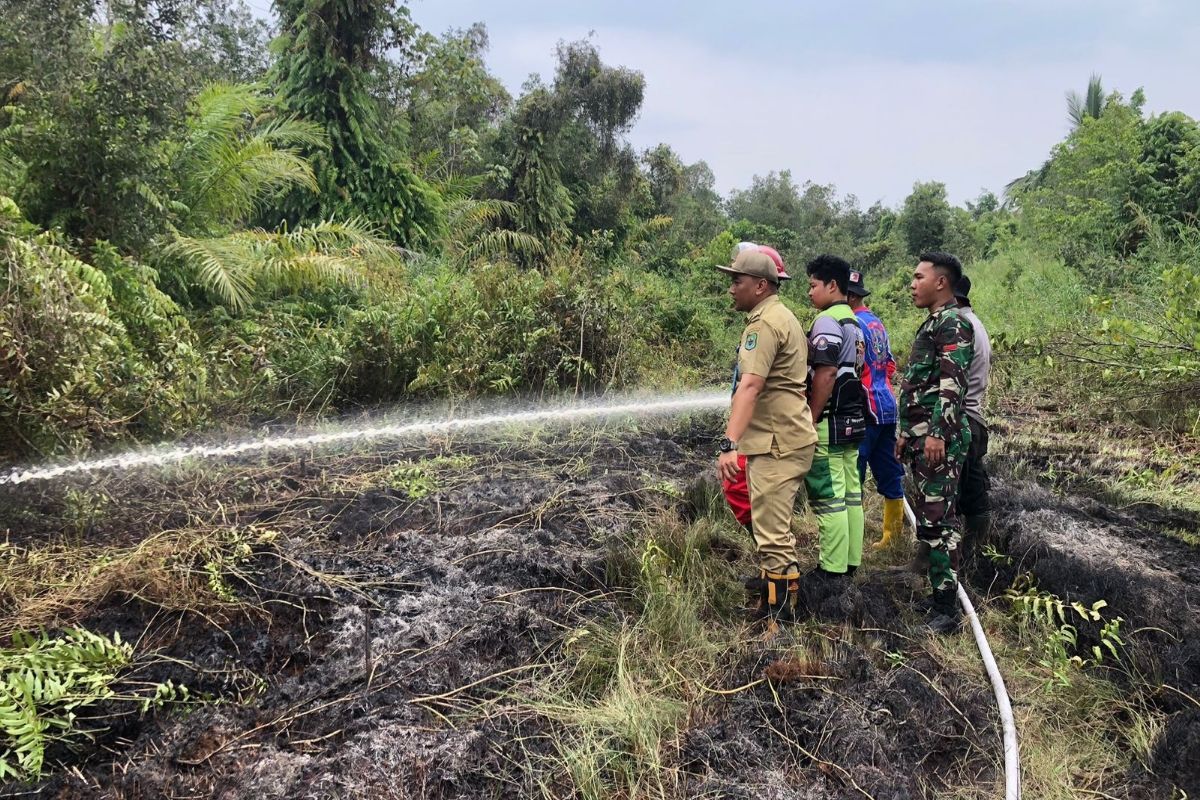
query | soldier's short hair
(946,263)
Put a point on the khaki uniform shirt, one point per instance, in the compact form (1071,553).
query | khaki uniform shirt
(775,348)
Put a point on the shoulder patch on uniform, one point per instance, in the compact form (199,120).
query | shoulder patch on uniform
(752,340)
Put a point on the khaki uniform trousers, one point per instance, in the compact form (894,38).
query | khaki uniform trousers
(774,479)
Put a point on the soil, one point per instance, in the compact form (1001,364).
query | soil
(379,622)
(1084,550)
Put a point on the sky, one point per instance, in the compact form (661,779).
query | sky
(869,95)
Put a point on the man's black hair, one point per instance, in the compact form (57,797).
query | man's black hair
(949,265)
(830,268)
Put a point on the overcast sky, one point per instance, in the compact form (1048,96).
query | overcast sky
(870,96)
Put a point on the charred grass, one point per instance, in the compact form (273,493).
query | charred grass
(562,617)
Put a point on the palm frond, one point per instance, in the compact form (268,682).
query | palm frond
(12,168)
(291,134)
(1095,97)
(461,214)
(1076,110)
(221,266)
(459,187)
(1087,105)
(352,238)
(305,270)
(237,155)
(239,179)
(501,243)
(1014,189)
(234,267)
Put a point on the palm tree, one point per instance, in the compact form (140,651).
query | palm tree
(1079,107)
(475,232)
(1090,105)
(236,157)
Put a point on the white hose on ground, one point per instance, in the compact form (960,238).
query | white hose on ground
(1012,756)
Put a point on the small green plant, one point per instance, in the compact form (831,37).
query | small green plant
(82,508)
(1140,478)
(44,681)
(667,488)
(1052,619)
(412,479)
(996,557)
(236,547)
(655,568)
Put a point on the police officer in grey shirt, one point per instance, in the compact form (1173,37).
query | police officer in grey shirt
(973,501)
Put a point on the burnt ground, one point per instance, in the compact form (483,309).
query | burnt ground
(1085,550)
(390,616)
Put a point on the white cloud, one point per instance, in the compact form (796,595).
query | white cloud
(870,127)
(869,122)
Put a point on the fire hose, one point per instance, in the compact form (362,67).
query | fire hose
(1012,756)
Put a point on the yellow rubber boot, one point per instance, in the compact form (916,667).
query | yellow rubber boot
(893,520)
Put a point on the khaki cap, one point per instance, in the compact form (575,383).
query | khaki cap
(754,263)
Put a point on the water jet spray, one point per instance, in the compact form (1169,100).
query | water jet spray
(162,455)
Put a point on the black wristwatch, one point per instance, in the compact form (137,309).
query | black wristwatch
(727,445)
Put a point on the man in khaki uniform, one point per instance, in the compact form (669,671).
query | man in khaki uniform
(769,423)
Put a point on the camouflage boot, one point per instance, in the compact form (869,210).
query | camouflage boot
(944,616)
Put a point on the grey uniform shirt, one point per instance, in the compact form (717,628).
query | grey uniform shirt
(981,367)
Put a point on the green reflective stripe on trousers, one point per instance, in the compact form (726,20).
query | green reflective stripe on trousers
(835,496)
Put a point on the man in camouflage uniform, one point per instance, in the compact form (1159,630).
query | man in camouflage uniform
(933,432)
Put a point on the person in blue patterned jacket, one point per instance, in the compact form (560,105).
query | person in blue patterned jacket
(878,449)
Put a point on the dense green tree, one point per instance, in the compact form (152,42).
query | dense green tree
(819,221)
(233,157)
(91,140)
(665,173)
(1166,182)
(1081,208)
(326,51)
(453,104)
(685,195)
(772,200)
(90,104)
(533,181)
(563,152)
(598,104)
(925,219)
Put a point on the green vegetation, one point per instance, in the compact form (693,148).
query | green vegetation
(195,230)
(199,230)
(45,680)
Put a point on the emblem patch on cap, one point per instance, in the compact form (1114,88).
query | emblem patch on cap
(752,341)
(855,277)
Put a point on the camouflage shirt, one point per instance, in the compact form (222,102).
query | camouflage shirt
(934,390)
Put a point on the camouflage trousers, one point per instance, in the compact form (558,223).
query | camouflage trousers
(933,495)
